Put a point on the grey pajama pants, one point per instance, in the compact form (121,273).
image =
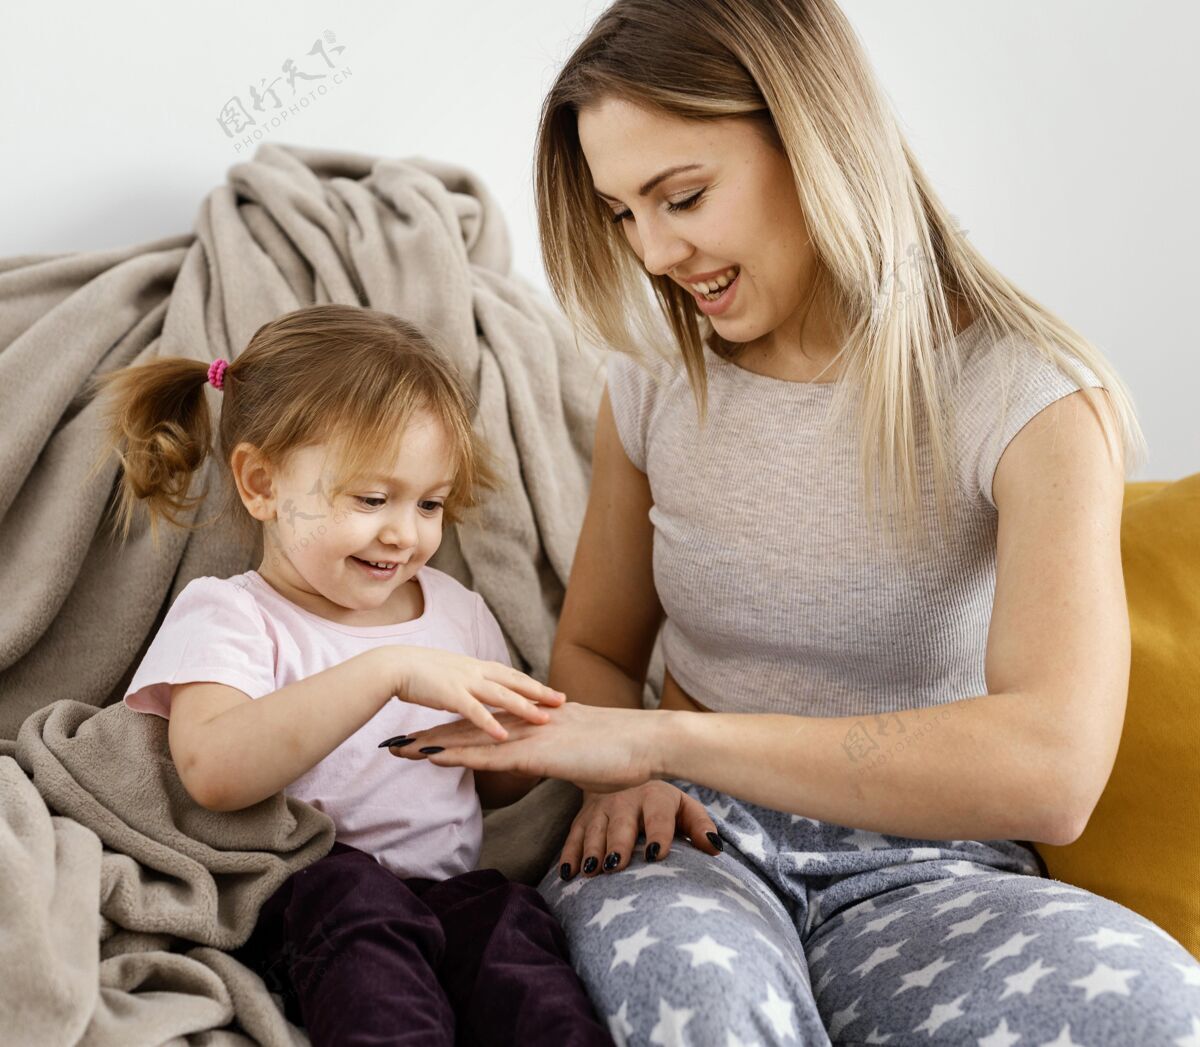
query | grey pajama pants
(807,933)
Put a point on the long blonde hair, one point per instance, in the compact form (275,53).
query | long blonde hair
(796,68)
(331,374)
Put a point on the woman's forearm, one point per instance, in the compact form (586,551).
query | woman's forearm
(976,769)
(585,676)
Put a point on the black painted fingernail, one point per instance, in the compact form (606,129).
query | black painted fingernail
(652,852)
(398,741)
(612,861)
(432,749)
(716,841)
(565,871)
(590,865)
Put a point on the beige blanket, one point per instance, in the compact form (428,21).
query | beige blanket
(100,842)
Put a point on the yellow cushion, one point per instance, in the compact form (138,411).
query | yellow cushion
(1141,847)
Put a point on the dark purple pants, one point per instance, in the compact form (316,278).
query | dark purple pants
(361,957)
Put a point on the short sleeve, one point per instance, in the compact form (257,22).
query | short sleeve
(1003,387)
(633,388)
(490,644)
(212,632)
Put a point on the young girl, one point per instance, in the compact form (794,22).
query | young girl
(348,438)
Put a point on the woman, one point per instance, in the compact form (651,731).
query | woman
(874,493)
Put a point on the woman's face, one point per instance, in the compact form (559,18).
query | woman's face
(736,206)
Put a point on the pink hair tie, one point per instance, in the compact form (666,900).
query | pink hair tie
(216,372)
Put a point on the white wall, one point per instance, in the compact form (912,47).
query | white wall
(1062,135)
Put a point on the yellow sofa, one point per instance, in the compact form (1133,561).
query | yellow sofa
(1141,847)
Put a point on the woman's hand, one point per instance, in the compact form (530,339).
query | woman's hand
(461,684)
(605,830)
(600,749)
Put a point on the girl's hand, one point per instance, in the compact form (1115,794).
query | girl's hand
(605,830)
(461,684)
(598,748)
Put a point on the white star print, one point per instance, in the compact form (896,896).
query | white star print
(778,1012)
(574,886)
(669,1030)
(767,941)
(861,909)
(1050,908)
(1106,936)
(701,905)
(1193,1038)
(803,818)
(920,854)
(619,1027)
(1024,981)
(961,902)
(880,955)
(1001,1036)
(745,903)
(611,909)
(826,978)
(876,1036)
(654,869)
(1190,972)
(863,840)
(750,843)
(941,1013)
(1105,979)
(843,1018)
(965,868)
(736,1041)
(1063,1039)
(819,951)
(924,977)
(708,950)
(716,867)
(1013,947)
(803,859)
(879,923)
(627,950)
(720,810)
(972,925)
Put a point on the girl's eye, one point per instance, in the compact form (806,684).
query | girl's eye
(428,506)
(683,205)
(366,500)
(431,507)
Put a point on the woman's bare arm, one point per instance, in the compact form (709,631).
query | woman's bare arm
(611,613)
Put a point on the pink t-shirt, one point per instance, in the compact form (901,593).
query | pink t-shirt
(417,819)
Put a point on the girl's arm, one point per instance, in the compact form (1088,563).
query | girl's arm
(232,751)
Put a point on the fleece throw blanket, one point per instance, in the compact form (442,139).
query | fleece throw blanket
(100,842)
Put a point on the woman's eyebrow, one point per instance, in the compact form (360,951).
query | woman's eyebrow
(648,186)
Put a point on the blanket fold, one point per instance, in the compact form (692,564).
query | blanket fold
(121,897)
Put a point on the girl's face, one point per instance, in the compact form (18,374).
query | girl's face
(732,204)
(313,545)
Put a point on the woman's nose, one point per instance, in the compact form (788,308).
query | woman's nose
(662,250)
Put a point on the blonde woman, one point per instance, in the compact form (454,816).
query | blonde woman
(871,492)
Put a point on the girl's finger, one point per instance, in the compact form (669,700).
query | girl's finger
(503,698)
(527,685)
(595,834)
(477,713)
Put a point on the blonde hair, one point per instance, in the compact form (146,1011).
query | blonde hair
(796,69)
(340,375)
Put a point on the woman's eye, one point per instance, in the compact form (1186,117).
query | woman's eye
(683,205)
